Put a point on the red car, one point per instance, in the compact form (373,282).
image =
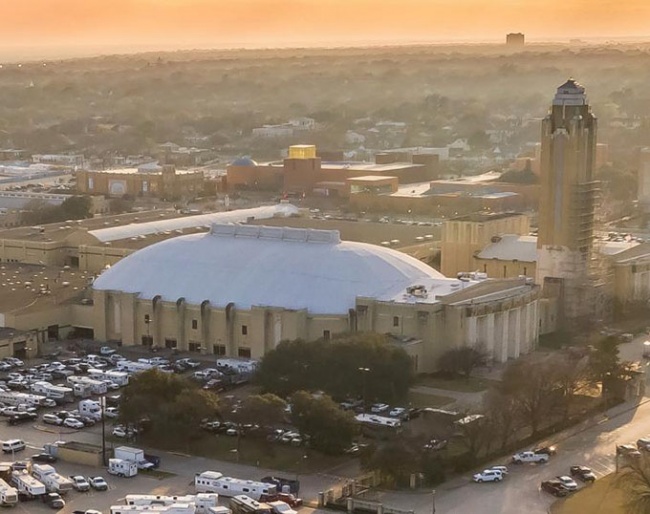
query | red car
(288,498)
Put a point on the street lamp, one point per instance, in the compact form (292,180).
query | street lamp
(364,371)
(433,501)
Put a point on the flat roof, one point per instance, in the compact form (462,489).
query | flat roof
(490,176)
(30,287)
(481,217)
(371,178)
(511,247)
(145,171)
(59,231)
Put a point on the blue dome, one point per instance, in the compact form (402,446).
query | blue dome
(243,161)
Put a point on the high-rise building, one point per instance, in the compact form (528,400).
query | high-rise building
(567,266)
(515,39)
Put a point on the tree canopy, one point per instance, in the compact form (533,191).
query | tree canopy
(173,406)
(360,365)
(329,429)
(73,208)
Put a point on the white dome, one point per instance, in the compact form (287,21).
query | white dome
(266,267)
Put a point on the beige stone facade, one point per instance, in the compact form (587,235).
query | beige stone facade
(465,236)
(500,316)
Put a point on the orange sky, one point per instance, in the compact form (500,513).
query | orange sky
(278,22)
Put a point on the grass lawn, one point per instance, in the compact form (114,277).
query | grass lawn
(417,399)
(254,451)
(471,385)
(603,497)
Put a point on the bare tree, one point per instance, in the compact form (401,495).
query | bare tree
(634,479)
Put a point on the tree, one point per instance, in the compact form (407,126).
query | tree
(634,479)
(335,367)
(173,406)
(76,208)
(462,361)
(530,383)
(396,461)
(329,429)
(604,360)
(504,414)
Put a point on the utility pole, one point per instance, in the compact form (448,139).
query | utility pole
(102,403)
(433,501)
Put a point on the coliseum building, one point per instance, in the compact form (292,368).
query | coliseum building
(239,290)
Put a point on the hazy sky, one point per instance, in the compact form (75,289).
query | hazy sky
(278,22)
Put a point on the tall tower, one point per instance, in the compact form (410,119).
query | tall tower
(566,262)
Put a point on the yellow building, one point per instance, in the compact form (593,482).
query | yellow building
(463,237)
(508,255)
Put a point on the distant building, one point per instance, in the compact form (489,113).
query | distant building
(304,172)
(59,159)
(515,39)
(644,178)
(147,180)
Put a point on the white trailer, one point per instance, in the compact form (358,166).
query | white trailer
(121,378)
(14,399)
(122,468)
(96,386)
(27,485)
(53,482)
(133,367)
(203,502)
(8,494)
(91,409)
(52,391)
(82,390)
(214,482)
(176,508)
(133,455)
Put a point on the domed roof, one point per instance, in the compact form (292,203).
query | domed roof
(267,266)
(243,161)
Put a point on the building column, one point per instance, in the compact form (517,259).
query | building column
(472,331)
(489,343)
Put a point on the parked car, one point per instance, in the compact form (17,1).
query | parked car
(188,363)
(119,432)
(54,500)
(583,473)
(106,351)
(629,450)
(44,457)
(502,469)
(98,483)
(280,507)
(22,417)
(488,475)
(80,483)
(378,408)
(397,412)
(111,412)
(554,487)
(48,402)
(568,482)
(52,419)
(73,423)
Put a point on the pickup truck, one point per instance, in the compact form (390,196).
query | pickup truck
(526,457)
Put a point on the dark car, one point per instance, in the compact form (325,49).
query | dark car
(546,450)
(282,483)
(44,457)
(19,465)
(22,417)
(88,422)
(555,488)
(583,473)
(54,500)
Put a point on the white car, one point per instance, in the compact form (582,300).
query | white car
(98,483)
(502,469)
(397,412)
(568,483)
(488,475)
(52,419)
(111,412)
(526,457)
(73,423)
(378,408)
(48,402)
(119,432)
(80,483)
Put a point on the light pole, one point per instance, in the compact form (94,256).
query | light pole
(364,371)
(102,404)
(433,501)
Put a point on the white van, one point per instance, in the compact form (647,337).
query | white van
(13,445)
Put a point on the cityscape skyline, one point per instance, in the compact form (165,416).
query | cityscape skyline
(167,24)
